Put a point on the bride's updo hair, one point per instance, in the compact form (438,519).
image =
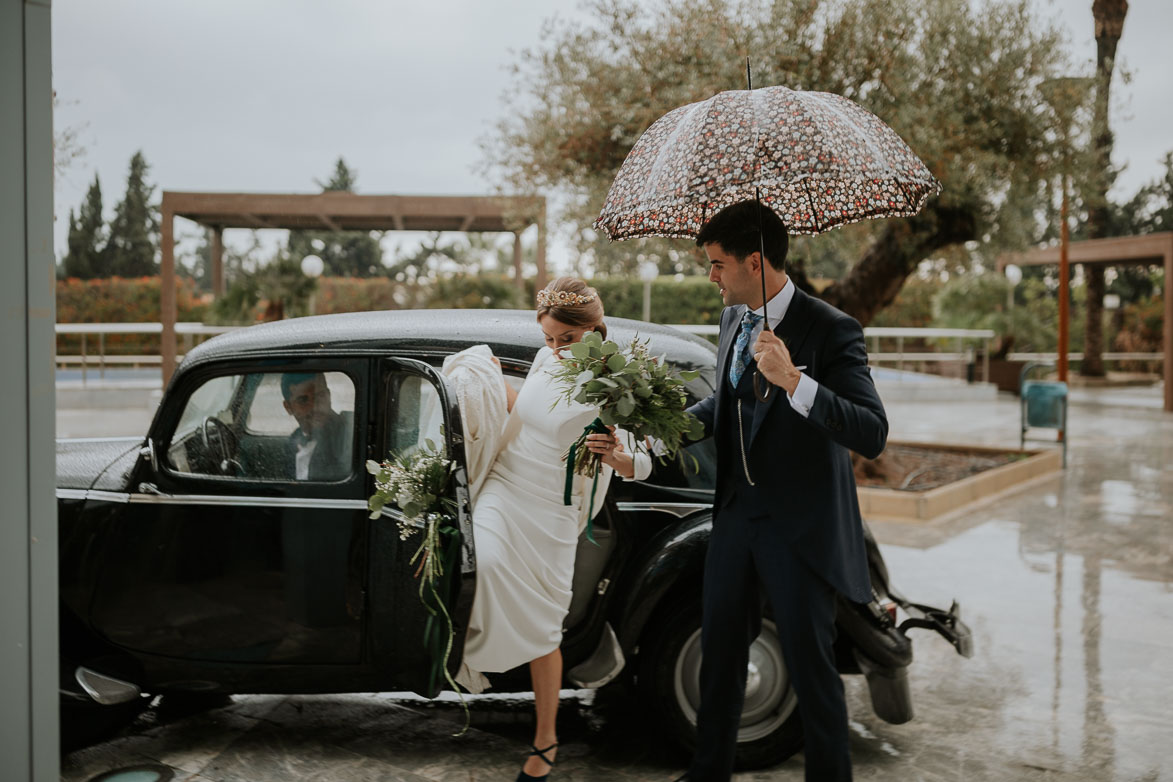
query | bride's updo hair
(571,301)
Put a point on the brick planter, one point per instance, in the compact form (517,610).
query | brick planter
(882,504)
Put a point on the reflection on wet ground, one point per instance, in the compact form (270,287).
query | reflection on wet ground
(1067,585)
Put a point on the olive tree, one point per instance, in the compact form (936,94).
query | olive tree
(958,81)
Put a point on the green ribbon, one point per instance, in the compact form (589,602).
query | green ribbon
(594,427)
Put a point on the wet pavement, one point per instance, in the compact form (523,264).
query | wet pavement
(1067,584)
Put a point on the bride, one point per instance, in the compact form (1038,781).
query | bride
(526,536)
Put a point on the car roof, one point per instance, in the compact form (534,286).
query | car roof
(510,333)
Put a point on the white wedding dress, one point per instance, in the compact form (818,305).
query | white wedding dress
(525,535)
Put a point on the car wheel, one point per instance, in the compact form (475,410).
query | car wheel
(771,728)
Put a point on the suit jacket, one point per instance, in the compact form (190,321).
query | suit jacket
(802,465)
(331,460)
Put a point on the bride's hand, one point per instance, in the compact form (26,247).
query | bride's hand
(609,447)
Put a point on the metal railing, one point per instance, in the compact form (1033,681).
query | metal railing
(189,332)
(962,355)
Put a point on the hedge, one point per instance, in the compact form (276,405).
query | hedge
(118,300)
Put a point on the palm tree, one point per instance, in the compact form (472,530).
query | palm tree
(1109,16)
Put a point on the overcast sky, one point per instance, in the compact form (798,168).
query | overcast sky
(265,95)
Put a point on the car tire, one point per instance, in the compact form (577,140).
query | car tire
(669,677)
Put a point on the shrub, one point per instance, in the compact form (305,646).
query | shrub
(120,300)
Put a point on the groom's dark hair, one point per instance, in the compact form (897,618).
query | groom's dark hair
(735,228)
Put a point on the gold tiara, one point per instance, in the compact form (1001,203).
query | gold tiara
(549,298)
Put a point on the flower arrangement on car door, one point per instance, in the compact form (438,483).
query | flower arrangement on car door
(417,483)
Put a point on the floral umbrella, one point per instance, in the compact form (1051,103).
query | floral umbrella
(817,159)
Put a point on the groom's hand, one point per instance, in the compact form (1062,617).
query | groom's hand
(773,359)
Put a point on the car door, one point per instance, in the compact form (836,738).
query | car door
(410,644)
(241,545)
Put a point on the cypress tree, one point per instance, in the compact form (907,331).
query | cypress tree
(85,236)
(130,250)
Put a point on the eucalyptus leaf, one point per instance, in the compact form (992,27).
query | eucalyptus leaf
(616,362)
(626,405)
(580,350)
(689,375)
(610,347)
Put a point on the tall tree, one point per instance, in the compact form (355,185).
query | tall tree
(85,236)
(957,82)
(343,253)
(1109,18)
(130,249)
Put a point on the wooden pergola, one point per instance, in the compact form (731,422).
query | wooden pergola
(337,211)
(1149,250)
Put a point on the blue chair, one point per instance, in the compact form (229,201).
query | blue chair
(1043,404)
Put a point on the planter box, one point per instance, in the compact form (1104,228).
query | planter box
(901,505)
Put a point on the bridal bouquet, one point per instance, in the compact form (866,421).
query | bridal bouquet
(417,483)
(633,390)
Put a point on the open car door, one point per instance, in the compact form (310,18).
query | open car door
(409,624)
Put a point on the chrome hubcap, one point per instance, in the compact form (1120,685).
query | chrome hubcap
(769,698)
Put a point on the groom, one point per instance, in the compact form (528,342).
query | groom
(786,519)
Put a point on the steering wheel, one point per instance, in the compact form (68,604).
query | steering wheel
(218,438)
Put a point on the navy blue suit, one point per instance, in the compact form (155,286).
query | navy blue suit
(795,533)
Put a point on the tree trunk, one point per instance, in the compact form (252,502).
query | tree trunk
(874,281)
(1109,17)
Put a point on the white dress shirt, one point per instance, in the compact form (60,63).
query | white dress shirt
(803,397)
(305,452)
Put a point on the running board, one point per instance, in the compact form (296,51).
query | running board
(603,665)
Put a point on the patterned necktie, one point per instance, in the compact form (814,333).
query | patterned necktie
(741,348)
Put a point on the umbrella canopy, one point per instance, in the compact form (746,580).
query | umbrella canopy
(817,159)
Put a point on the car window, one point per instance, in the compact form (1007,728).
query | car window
(415,415)
(281,426)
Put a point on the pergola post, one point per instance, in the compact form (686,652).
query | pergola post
(167,309)
(218,261)
(518,279)
(1147,249)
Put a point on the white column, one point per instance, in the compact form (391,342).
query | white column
(28,534)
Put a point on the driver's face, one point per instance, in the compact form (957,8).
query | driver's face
(309,403)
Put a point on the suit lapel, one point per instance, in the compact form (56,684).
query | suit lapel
(792,330)
(724,356)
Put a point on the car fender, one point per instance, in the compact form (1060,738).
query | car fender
(674,562)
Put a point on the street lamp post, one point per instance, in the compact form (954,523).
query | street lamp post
(648,272)
(312,266)
(1013,276)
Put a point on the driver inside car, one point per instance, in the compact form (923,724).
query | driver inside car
(319,449)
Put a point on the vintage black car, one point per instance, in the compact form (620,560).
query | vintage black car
(197,561)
